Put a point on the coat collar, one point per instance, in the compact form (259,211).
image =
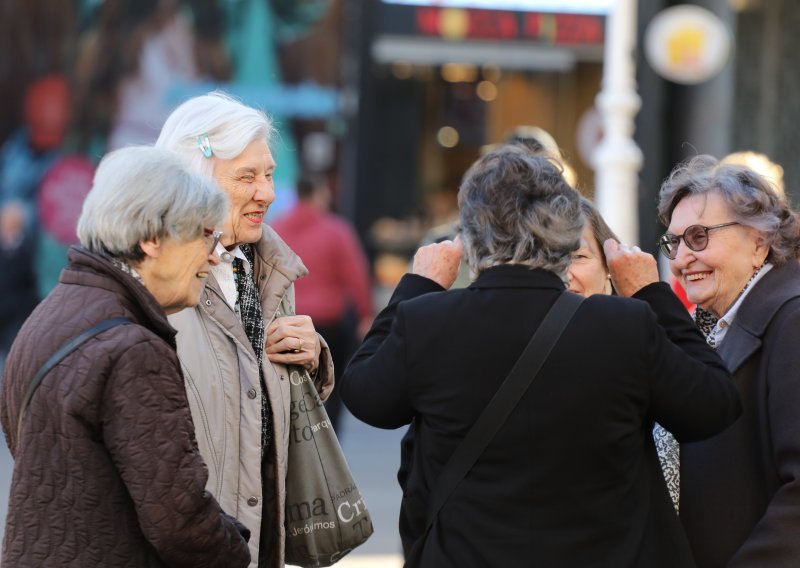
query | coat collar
(777,287)
(517,276)
(89,269)
(276,267)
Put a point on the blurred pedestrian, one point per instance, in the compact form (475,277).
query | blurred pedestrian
(337,293)
(732,242)
(572,477)
(25,158)
(240,398)
(106,467)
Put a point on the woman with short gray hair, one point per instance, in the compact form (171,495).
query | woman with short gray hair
(106,467)
(516,208)
(572,477)
(732,242)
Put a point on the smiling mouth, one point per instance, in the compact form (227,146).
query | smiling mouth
(254,217)
(697,276)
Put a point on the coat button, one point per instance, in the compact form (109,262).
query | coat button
(252,393)
(262,277)
(253,501)
(283,378)
(208,302)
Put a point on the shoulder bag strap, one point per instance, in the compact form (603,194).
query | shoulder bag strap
(503,402)
(56,358)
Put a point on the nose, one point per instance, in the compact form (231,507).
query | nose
(213,258)
(265,193)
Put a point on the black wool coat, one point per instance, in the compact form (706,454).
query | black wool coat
(572,479)
(740,490)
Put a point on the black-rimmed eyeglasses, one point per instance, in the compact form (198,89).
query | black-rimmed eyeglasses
(695,237)
(214,236)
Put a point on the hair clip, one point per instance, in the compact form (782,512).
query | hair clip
(205,145)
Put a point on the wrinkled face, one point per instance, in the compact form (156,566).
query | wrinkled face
(175,272)
(587,274)
(714,277)
(247,179)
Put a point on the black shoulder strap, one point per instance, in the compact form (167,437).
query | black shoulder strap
(503,402)
(56,358)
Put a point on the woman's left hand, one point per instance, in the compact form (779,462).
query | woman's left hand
(293,340)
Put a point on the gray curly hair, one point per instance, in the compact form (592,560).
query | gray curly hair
(516,208)
(751,198)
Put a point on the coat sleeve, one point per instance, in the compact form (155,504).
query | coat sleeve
(773,542)
(692,397)
(374,387)
(148,431)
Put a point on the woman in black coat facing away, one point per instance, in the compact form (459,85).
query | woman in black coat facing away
(572,477)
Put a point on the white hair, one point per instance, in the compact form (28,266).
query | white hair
(140,193)
(217,122)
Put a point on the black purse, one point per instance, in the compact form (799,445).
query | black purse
(497,412)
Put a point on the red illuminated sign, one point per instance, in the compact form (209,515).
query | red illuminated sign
(556,29)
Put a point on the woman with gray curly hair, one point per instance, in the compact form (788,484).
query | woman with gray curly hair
(106,466)
(732,242)
(572,477)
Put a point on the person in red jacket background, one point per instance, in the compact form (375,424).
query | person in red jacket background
(338,285)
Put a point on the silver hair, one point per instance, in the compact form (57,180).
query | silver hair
(516,208)
(752,200)
(140,193)
(226,125)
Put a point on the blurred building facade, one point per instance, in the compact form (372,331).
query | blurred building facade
(392,101)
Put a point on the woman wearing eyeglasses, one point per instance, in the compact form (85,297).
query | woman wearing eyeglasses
(106,467)
(733,244)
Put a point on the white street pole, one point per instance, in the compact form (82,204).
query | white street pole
(617,159)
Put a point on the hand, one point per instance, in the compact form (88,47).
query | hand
(293,340)
(630,268)
(12,221)
(439,262)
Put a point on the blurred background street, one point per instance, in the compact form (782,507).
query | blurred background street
(385,103)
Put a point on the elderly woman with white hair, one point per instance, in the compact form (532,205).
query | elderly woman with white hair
(571,477)
(233,346)
(106,466)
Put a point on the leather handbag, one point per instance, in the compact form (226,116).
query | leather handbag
(326,516)
(497,412)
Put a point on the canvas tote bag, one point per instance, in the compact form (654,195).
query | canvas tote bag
(326,516)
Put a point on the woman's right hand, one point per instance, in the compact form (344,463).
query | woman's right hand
(439,262)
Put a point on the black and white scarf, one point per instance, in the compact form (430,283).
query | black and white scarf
(248,307)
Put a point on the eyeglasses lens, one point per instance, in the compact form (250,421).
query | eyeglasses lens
(695,237)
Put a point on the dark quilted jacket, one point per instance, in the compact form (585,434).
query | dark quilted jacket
(106,471)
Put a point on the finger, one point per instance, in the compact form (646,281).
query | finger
(610,247)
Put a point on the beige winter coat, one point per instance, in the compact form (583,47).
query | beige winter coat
(224,392)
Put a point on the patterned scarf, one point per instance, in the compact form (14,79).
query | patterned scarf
(249,309)
(707,322)
(666,445)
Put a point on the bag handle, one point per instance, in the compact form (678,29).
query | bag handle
(503,403)
(56,358)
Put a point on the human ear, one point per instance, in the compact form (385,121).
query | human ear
(151,247)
